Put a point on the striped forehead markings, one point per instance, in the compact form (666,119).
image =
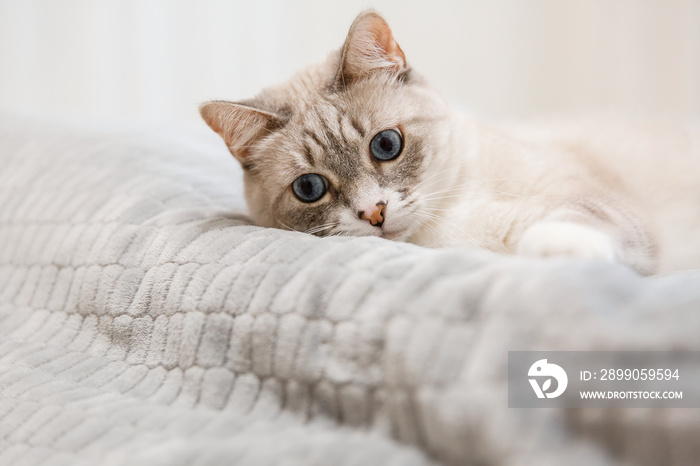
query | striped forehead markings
(357,127)
(308,154)
(330,139)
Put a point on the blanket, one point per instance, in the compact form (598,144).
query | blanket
(143,320)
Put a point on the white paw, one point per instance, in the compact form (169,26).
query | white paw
(568,239)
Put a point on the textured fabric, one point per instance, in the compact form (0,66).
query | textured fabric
(143,322)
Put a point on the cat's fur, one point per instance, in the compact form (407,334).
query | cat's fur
(455,183)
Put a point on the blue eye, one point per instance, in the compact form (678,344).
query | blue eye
(310,187)
(386,145)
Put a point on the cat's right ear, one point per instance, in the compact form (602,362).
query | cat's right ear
(369,48)
(239,125)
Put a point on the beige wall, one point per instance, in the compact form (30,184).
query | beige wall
(156,60)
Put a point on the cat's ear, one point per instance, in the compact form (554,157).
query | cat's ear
(240,125)
(369,48)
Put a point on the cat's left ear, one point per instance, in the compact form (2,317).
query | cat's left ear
(370,48)
(240,125)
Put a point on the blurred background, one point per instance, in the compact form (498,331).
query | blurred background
(156,60)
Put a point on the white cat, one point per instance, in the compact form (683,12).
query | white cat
(360,145)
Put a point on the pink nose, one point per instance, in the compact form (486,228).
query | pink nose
(375,216)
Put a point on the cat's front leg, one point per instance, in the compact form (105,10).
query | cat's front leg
(602,228)
(549,238)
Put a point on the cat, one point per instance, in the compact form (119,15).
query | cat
(360,145)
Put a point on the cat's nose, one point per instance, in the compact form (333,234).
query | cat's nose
(375,215)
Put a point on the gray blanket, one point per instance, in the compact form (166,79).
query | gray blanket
(142,321)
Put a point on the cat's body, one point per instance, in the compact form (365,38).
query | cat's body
(653,166)
(637,181)
(360,145)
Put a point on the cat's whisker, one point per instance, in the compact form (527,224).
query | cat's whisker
(522,196)
(435,196)
(430,225)
(475,186)
(427,199)
(451,224)
(476,214)
(320,228)
(428,221)
(457,187)
(450,189)
(508,179)
(422,184)
(288,227)
(425,223)
(340,233)
(442,210)
(441,172)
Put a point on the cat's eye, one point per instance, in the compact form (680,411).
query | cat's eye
(386,145)
(310,187)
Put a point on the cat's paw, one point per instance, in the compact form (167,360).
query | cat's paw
(568,239)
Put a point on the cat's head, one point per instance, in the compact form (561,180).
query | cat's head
(344,147)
